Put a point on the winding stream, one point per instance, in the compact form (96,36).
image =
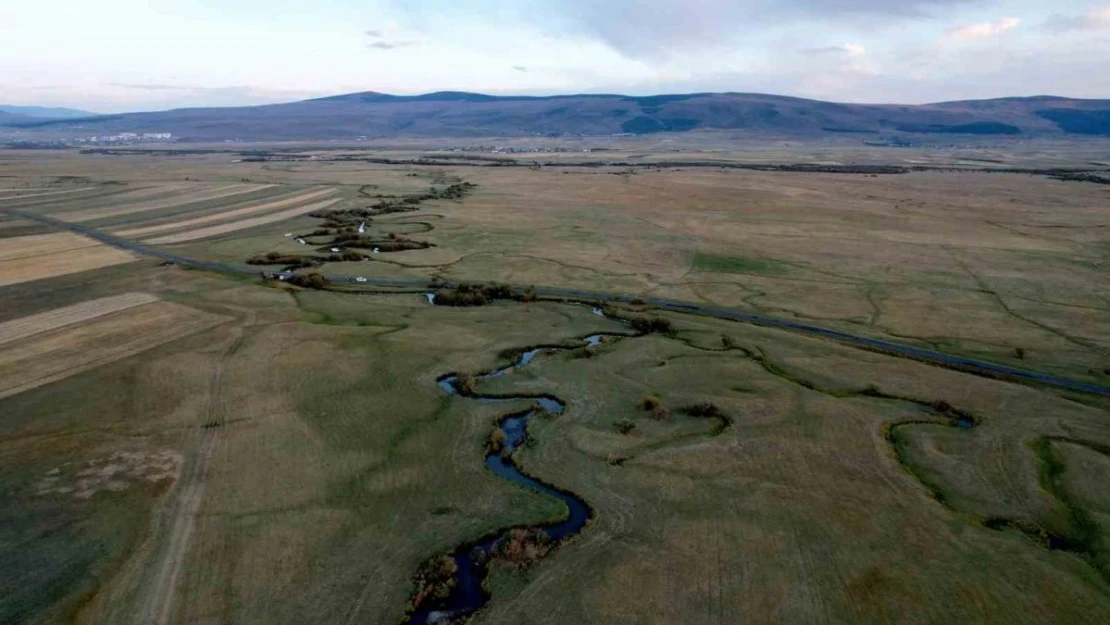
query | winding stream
(472,558)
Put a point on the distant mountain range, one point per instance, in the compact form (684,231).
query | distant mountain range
(45,111)
(459,114)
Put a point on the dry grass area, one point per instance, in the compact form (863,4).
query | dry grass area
(51,346)
(981,264)
(805,510)
(243,224)
(295,200)
(36,257)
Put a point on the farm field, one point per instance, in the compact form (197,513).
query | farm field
(50,346)
(178,446)
(36,257)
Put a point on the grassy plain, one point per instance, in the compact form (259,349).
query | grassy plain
(297,462)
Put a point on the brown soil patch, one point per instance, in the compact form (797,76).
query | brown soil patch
(240,225)
(216,218)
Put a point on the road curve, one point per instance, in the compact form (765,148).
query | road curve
(968,365)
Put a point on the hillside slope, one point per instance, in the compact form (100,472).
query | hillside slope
(467,114)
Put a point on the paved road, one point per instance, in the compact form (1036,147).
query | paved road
(969,365)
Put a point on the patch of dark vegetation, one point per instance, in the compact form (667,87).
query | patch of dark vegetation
(709,410)
(652,325)
(1081,177)
(624,426)
(1079,122)
(464,384)
(654,405)
(704,409)
(392,244)
(957,417)
(434,581)
(310,280)
(645,124)
(521,547)
(974,128)
(464,295)
(290,260)
(495,442)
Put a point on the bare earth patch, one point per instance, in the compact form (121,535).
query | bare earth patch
(114,473)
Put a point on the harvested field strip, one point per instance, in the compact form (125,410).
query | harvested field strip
(240,225)
(53,355)
(128,194)
(38,256)
(188,210)
(68,315)
(48,193)
(51,265)
(36,245)
(212,194)
(224,216)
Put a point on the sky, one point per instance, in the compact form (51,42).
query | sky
(127,55)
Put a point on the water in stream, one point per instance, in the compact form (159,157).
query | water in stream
(468,595)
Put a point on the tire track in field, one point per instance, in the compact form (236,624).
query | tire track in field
(158,603)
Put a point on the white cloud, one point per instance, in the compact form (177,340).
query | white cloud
(389,38)
(1095,19)
(984,30)
(850,50)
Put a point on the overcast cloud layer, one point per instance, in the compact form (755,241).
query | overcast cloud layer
(151,54)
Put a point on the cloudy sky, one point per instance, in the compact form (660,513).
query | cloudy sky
(117,55)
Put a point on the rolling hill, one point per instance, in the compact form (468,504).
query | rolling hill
(462,114)
(44,111)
